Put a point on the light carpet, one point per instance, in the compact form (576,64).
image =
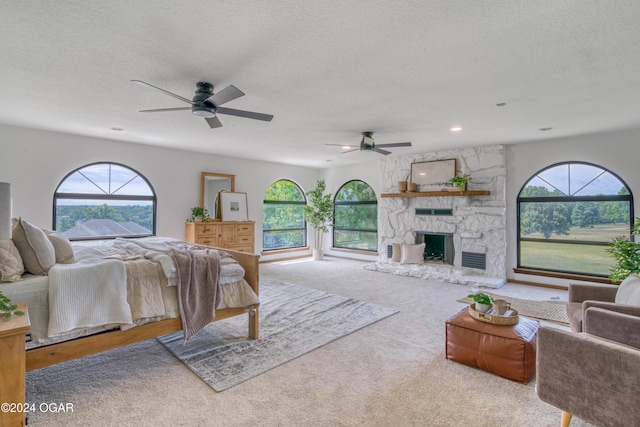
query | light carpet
(294,320)
(553,311)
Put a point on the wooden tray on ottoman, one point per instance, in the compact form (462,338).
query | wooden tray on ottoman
(495,319)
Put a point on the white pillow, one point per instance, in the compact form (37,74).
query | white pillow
(396,252)
(629,291)
(62,247)
(412,254)
(11,267)
(36,250)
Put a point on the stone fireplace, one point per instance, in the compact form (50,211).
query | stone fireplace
(469,232)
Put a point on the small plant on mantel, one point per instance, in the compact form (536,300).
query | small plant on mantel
(461,181)
(7,309)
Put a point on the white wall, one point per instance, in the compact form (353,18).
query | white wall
(35,162)
(615,151)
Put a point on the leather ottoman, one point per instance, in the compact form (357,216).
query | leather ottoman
(507,351)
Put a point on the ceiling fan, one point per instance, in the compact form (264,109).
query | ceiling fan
(368,144)
(206,104)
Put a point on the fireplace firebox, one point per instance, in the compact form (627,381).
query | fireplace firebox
(438,246)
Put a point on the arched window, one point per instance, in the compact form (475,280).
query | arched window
(568,213)
(356,217)
(104,201)
(283,224)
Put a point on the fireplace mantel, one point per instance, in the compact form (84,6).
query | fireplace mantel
(437,193)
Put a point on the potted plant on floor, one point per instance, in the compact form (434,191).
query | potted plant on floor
(319,214)
(482,301)
(627,255)
(460,181)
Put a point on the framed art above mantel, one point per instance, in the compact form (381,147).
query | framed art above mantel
(433,173)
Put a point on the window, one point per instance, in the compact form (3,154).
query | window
(104,201)
(356,217)
(567,215)
(283,224)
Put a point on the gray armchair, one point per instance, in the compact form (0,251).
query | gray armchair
(595,374)
(583,296)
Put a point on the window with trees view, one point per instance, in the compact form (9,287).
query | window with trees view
(283,224)
(568,213)
(356,217)
(104,201)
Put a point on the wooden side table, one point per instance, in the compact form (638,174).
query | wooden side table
(13,366)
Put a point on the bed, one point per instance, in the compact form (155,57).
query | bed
(152,297)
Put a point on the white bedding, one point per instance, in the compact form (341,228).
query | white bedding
(148,297)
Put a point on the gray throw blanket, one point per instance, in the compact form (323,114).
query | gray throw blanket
(198,271)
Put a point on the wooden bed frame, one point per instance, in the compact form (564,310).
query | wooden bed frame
(40,357)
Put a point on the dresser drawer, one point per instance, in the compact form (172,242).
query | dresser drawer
(207,240)
(244,229)
(248,249)
(244,240)
(203,230)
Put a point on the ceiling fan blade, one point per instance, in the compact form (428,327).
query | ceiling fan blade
(227,94)
(140,82)
(245,114)
(160,110)
(395,144)
(348,151)
(377,150)
(214,122)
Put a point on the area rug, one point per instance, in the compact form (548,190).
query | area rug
(294,320)
(553,311)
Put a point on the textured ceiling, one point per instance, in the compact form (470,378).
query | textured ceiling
(327,70)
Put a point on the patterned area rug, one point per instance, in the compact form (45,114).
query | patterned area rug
(553,311)
(294,320)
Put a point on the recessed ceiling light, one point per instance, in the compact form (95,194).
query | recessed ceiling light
(346,147)
(544,129)
(455,129)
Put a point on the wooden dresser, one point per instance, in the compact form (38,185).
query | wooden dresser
(13,369)
(236,235)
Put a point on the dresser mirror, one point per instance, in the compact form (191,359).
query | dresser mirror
(210,185)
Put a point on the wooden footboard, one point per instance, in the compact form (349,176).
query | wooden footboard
(55,353)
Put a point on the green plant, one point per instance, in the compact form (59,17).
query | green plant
(319,211)
(627,255)
(461,180)
(7,309)
(200,213)
(481,298)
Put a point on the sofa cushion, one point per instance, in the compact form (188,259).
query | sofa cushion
(629,291)
(36,250)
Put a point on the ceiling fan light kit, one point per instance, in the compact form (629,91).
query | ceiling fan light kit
(206,103)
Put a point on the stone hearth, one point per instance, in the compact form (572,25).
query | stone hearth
(477,223)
